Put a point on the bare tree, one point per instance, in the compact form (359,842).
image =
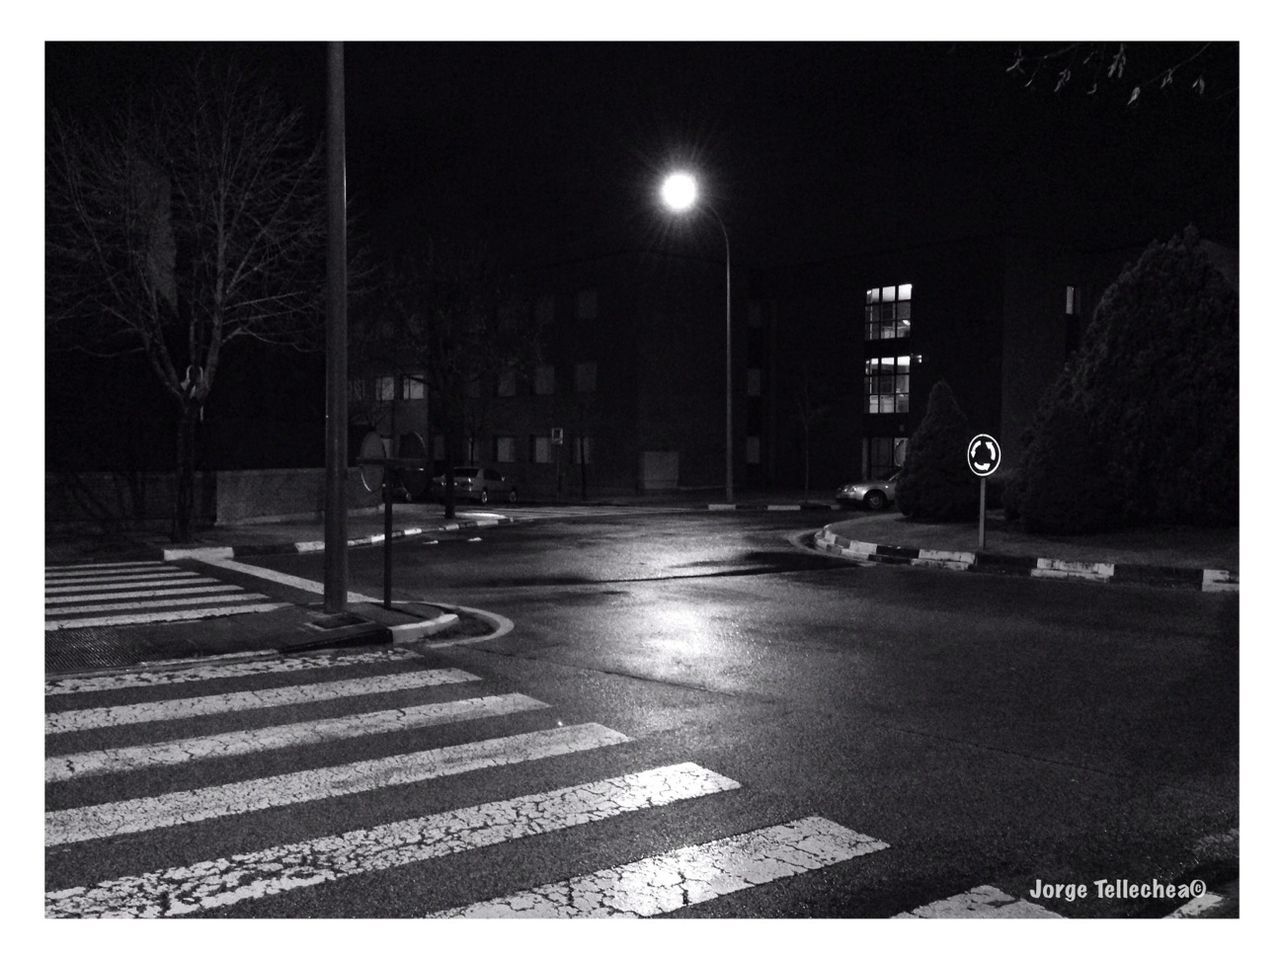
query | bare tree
(446,310)
(190,219)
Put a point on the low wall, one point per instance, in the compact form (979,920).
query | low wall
(222,497)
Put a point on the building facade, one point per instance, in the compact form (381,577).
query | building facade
(832,366)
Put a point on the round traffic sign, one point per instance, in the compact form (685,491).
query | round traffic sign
(984,455)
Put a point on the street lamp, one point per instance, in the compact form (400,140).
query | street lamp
(680,194)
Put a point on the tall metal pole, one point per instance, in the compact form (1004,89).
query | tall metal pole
(335,515)
(728,364)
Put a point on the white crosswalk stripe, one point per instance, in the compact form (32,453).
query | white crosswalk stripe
(144,592)
(663,881)
(83,719)
(690,875)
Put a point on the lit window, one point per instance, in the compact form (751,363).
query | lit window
(540,448)
(504,450)
(544,379)
(1073,303)
(587,304)
(584,377)
(888,385)
(887,315)
(415,386)
(384,388)
(582,450)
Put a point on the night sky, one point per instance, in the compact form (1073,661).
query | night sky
(809,151)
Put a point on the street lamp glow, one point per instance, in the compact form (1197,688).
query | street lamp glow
(680,191)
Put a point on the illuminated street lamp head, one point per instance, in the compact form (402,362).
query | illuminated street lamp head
(680,191)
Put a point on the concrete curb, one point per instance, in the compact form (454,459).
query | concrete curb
(308,547)
(1205,580)
(800,506)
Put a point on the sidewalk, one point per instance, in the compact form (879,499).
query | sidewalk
(1201,558)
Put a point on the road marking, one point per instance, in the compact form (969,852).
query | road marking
(984,901)
(159,617)
(225,800)
(690,875)
(181,673)
(172,573)
(240,595)
(185,590)
(189,578)
(300,583)
(149,711)
(118,565)
(161,754)
(226,881)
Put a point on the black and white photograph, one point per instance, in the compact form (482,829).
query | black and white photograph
(780,471)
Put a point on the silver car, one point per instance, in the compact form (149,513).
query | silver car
(872,494)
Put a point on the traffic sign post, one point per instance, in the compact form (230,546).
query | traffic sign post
(983,455)
(377,470)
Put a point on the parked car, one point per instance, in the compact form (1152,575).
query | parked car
(872,494)
(481,484)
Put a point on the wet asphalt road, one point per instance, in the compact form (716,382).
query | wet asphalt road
(992,730)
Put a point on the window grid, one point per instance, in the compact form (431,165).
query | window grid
(887,315)
(888,385)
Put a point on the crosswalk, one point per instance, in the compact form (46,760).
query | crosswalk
(139,592)
(175,763)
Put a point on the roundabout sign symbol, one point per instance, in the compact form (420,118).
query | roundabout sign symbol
(984,455)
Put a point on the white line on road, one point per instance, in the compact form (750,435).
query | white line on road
(171,573)
(153,603)
(301,583)
(690,875)
(185,807)
(983,901)
(138,757)
(185,589)
(118,565)
(94,717)
(213,671)
(190,614)
(225,881)
(188,578)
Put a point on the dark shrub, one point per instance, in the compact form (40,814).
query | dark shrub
(1065,488)
(936,482)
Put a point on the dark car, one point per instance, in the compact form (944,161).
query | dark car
(481,484)
(872,494)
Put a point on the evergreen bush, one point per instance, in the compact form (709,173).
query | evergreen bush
(936,483)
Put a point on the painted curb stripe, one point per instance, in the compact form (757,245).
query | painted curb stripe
(193,592)
(984,901)
(184,674)
(232,743)
(189,578)
(1047,567)
(226,881)
(225,800)
(689,875)
(193,614)
(150,711)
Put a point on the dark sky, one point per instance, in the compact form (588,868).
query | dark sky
(808,150)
